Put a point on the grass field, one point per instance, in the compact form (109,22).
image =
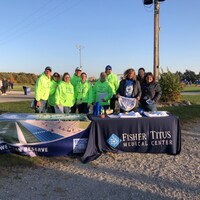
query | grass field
(16,107)
(191,88)
(188,88)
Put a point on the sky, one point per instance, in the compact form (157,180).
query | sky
(39,33)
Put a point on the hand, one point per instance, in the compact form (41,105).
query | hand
(38,104)
(138,98)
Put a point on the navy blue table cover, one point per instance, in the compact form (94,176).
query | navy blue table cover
(143,135)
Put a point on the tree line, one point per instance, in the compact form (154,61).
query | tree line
(30,78)
(188,76)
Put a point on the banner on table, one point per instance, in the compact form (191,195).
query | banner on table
(43,134)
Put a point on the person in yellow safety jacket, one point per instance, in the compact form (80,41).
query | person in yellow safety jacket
(75,79)
(83,94)
(65,97)
(42,90)
(114,83)
(54,85)
(102,92)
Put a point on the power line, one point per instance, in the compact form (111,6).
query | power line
(26,18)
(32,22)
(6,40)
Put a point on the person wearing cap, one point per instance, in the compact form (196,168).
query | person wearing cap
(83,94)
(114,83)
(55,80)
(102,92)
(64,97)
(75,79)
(42,90)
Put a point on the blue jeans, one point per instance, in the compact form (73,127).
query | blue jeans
(66,109)
(42,108)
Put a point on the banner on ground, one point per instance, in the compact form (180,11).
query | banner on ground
(43,134)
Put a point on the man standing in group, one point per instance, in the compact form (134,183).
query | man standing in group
(75,79)
(114,83)
(42,90)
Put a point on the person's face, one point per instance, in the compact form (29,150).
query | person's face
(83,77)
(47,73)
(149,79)
(141,73)
(131,74)
(103,77)
(67,78)
(56,77)
(78,73)
(108,71)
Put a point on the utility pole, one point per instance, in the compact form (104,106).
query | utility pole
(80,47)
(156,38)
(156,35)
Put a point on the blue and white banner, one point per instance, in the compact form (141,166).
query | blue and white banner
(43,134)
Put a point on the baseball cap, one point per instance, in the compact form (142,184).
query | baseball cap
(78,69)
(108,67)
(48,68)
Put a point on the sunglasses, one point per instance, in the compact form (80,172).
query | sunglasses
(56,76)
(108,69)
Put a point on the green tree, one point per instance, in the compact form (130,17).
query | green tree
(189,75)
(171,86)
(179,74)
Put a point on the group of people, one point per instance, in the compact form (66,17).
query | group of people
(143,87)
(69,94)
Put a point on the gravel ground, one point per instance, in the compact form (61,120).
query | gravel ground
(111,176)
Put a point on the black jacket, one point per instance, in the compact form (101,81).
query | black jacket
(151,91)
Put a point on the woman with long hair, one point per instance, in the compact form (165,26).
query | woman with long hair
(129,87)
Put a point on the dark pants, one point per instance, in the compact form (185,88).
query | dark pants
(112,102)
(4,89)
(83,108)
(73,108)
(51,109)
